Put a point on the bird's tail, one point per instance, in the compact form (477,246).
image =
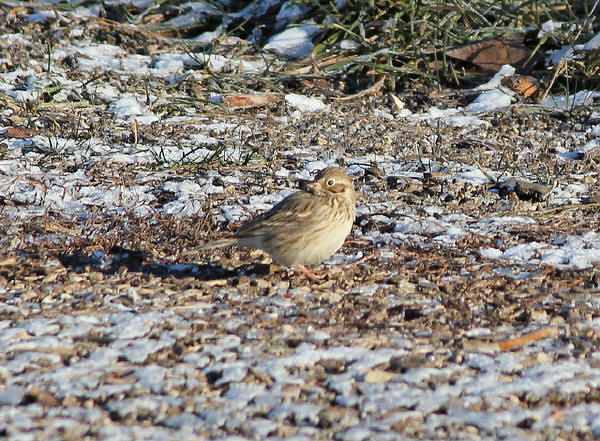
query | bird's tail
(210,245)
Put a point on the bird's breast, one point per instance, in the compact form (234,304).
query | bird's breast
(315,244)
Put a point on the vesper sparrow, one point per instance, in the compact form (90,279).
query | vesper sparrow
(306,227)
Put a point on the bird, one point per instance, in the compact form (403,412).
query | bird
(305,228)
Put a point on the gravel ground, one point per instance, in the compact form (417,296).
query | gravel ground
(464,304)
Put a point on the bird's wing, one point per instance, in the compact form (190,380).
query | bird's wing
(296,210)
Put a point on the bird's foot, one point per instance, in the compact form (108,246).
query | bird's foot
(310,274)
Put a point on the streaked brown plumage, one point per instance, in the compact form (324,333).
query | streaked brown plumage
(306,227)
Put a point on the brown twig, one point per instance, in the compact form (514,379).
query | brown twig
(373,89)
(524,340)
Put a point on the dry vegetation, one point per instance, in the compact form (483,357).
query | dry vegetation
(428,293)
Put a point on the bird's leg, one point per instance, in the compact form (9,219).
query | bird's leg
(308,273)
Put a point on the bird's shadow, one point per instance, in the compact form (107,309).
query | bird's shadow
(135,261)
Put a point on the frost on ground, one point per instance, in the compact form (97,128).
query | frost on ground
(463,305)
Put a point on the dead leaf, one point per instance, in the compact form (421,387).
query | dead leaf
(397,103)
(198,91)
(491,55)
(523,85)
(530,191)
(19,133)
(373,89)
(12,15)
(248,101)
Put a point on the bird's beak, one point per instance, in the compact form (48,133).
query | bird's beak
(313,187)
(310,186)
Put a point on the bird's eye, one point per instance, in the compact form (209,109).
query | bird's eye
(330,182)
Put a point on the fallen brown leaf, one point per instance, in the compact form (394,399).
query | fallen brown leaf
(373,89)
(523,85)
(19,133)
(247,101)
(491,55)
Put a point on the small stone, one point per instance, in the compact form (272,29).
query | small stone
(328,297)
(334,366)
(43,397)
(593,199)
(402,364)
(338,417)
(379,376)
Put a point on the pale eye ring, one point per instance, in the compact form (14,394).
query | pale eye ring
(330,182)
